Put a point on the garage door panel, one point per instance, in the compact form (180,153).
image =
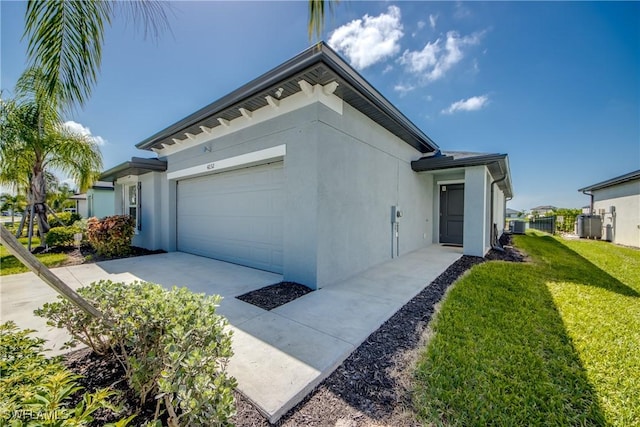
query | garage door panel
(234,216)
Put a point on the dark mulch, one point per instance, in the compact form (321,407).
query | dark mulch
(274,296)
(372,387)
(86,254)
(509,254)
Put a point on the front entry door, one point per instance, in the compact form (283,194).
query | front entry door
(451,213)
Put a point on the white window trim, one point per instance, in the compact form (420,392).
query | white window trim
(126,185)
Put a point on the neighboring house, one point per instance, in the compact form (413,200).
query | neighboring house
(512,213)
(617,201)
(542,210)
(310,172)
(98,201)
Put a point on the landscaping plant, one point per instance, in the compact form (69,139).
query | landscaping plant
(67,219)
(111,236)
(35,390)
(172,345)
(62,236)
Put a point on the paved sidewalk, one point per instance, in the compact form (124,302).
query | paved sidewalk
(280,355)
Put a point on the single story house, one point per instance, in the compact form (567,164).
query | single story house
(542,210)
(617,201)
(310,172)
(98,201)
(512,213)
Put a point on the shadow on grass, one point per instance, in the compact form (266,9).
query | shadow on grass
(564,264)
(502,356)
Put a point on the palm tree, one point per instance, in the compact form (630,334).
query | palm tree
(12,202)
(33,142)
(58,198)
(65,41)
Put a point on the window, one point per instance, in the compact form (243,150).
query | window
(132,204)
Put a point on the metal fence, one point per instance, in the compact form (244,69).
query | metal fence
(548,224)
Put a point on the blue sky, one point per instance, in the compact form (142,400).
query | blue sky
(556,85)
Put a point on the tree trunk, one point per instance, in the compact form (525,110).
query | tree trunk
(39,197)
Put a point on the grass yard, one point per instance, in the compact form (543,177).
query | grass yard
(10,264)
(552,342)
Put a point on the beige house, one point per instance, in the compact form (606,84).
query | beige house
(617,201)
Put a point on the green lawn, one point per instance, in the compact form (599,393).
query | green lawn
(10,265)
(552,342)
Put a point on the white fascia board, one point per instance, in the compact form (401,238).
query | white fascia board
(285,105)
(254,158)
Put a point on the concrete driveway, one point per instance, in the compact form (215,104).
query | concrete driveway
(280,355)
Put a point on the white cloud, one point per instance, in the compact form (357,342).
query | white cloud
(403,89)
(435,59)
(432,21)
(79,129)
(369,40)
(470,104)
(387,69)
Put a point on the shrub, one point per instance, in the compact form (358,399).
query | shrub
(62,236)
(67,218)
(112,235)
(172,344)
(35,390)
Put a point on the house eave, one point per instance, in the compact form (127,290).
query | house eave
(631,176)
(498,165)
(316,65)
(136,166)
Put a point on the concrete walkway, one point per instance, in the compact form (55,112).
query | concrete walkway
(280,355)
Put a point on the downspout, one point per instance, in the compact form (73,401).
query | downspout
(495,243)
(591,203)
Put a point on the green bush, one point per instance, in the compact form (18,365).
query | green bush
(112,235)
(62,236)
(67,218)
(172,344)
(35,390)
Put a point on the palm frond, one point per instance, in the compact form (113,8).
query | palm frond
(148,15)
(65,41)
(317,9)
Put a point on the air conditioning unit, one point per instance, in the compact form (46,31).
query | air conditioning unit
(520,227)
(590,226)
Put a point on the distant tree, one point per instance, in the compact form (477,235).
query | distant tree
(58,198)
(14,203)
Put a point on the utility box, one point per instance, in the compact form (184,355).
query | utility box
(589,226)
(520,227)
(608,233)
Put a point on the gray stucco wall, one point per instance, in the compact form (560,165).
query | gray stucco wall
(363,171)
(342,175)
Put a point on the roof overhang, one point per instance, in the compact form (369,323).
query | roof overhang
(316,65)
(631,176)
(497,164)
(136,166)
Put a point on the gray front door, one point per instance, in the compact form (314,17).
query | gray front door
(451,213)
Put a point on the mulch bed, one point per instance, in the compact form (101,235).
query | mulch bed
(274,296)
(372,387)
(86,254)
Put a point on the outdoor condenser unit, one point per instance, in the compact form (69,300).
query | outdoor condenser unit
(589,226)
(519,227)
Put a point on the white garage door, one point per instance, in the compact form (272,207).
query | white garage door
(234,216)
